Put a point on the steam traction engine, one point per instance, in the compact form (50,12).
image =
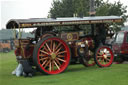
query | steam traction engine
(58,42)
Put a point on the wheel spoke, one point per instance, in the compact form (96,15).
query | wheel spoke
(54,45)
(61,52)
(105,50)
(44,58)
(99,53)
(43,55)
(44,62)
(58,62)
(58,50)
(98,58)
(57,46)
(47,63)
(107,59)
(61,59)
(50,67)
(44,52)
(56,65)
(109,56)
(45,49)
(48,47)
(102,60)
(51,45)
(61,56)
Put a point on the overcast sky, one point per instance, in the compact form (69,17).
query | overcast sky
(22,9)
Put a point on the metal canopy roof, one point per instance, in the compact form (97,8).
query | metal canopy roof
(36,22)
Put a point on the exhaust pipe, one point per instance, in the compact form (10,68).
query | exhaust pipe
(92,11)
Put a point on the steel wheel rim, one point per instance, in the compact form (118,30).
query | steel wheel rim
(104,56)
(53,56)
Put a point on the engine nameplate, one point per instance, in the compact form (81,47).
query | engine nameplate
(72,36)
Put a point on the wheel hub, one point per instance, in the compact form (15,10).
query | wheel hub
(53,55)
(105,56)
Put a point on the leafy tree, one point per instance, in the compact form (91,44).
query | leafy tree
(107,9)
(67,8)
(56,10)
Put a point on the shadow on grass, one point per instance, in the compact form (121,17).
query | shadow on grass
(81,68)
(73,68)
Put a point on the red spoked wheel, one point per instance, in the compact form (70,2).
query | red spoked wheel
(104,56)
(52,55)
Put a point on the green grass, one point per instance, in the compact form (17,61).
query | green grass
(117,74)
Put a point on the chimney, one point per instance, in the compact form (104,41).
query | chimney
(92,11)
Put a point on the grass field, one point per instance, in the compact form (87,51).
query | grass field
(117,74)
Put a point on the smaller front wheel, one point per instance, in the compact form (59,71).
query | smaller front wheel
(104,56)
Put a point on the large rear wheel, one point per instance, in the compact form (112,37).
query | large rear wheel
(51,55)
(104,56)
